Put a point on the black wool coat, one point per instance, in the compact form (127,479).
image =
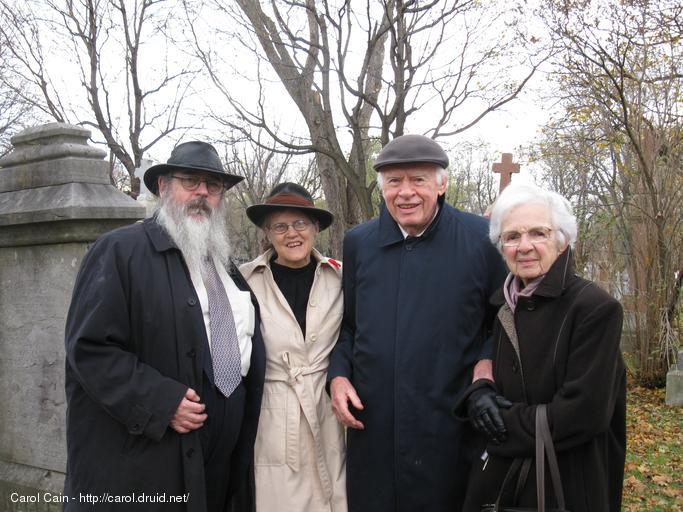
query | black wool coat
(135,341)
(569,332)
(416,319)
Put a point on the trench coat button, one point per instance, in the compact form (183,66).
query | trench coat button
(189,452)
(135,428)
(531,305)
(312,303)
(314,337)
(191,301)
(191,353)
(409,247)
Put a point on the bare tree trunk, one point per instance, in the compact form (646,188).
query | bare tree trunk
(362,68)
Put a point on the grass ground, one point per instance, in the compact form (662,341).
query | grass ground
(654,458)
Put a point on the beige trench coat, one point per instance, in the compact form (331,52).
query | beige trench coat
(300,447)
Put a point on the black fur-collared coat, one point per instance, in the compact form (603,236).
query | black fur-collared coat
(569,358)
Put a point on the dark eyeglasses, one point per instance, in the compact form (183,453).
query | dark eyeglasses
(214,186)
(282,227)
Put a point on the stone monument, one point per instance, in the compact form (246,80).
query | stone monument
(55,199)
(674,382)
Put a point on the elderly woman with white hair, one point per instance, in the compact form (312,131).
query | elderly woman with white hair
(556,343)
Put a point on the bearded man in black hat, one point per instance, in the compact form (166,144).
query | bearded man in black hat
(164,357)
(415,327)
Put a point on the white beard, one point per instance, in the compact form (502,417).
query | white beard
(197,239)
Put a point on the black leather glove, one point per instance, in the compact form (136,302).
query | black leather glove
(483,410)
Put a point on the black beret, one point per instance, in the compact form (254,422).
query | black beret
(411,149)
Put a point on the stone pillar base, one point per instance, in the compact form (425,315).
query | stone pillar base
(55,200)
(30,489)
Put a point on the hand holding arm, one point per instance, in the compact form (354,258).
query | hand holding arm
(483,410)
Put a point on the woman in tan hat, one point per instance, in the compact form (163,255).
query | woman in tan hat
(300,450)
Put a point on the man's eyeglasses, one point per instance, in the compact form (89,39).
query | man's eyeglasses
(538,235)
(282,227)
(214,186)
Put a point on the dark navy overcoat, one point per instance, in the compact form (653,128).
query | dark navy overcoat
(135,341)
(416,320)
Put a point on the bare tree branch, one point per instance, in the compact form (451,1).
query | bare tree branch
(108,40)
(357,74)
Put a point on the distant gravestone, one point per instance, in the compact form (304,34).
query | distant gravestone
(55,199)
(505,168)
(140,173)
(674,382)
(146,198)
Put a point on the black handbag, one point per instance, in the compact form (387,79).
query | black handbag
(544,446)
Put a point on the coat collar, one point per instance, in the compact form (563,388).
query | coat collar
(262,261)
(158,235)
(390,233)
(553,284)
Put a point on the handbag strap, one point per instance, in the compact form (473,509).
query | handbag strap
(544,447)
(540,461)
(544,443)
(512,470)
(521,480)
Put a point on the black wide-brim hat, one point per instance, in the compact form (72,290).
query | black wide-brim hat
(191,156)
(289,196)
(411,149)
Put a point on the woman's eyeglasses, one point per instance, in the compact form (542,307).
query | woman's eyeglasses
(538,235)
(282,227)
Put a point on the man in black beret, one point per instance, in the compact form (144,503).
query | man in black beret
(164,357)
(415,330)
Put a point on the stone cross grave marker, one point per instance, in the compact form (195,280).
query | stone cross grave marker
(505,167)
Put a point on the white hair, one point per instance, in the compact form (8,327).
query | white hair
(441,174)
(517,194)
(196,239)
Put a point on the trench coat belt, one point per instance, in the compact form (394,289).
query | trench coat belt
(294,376)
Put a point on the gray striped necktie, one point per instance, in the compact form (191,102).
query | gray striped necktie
(225,351)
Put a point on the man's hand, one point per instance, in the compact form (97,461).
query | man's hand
(343,392)
(189,415)
(483,410)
